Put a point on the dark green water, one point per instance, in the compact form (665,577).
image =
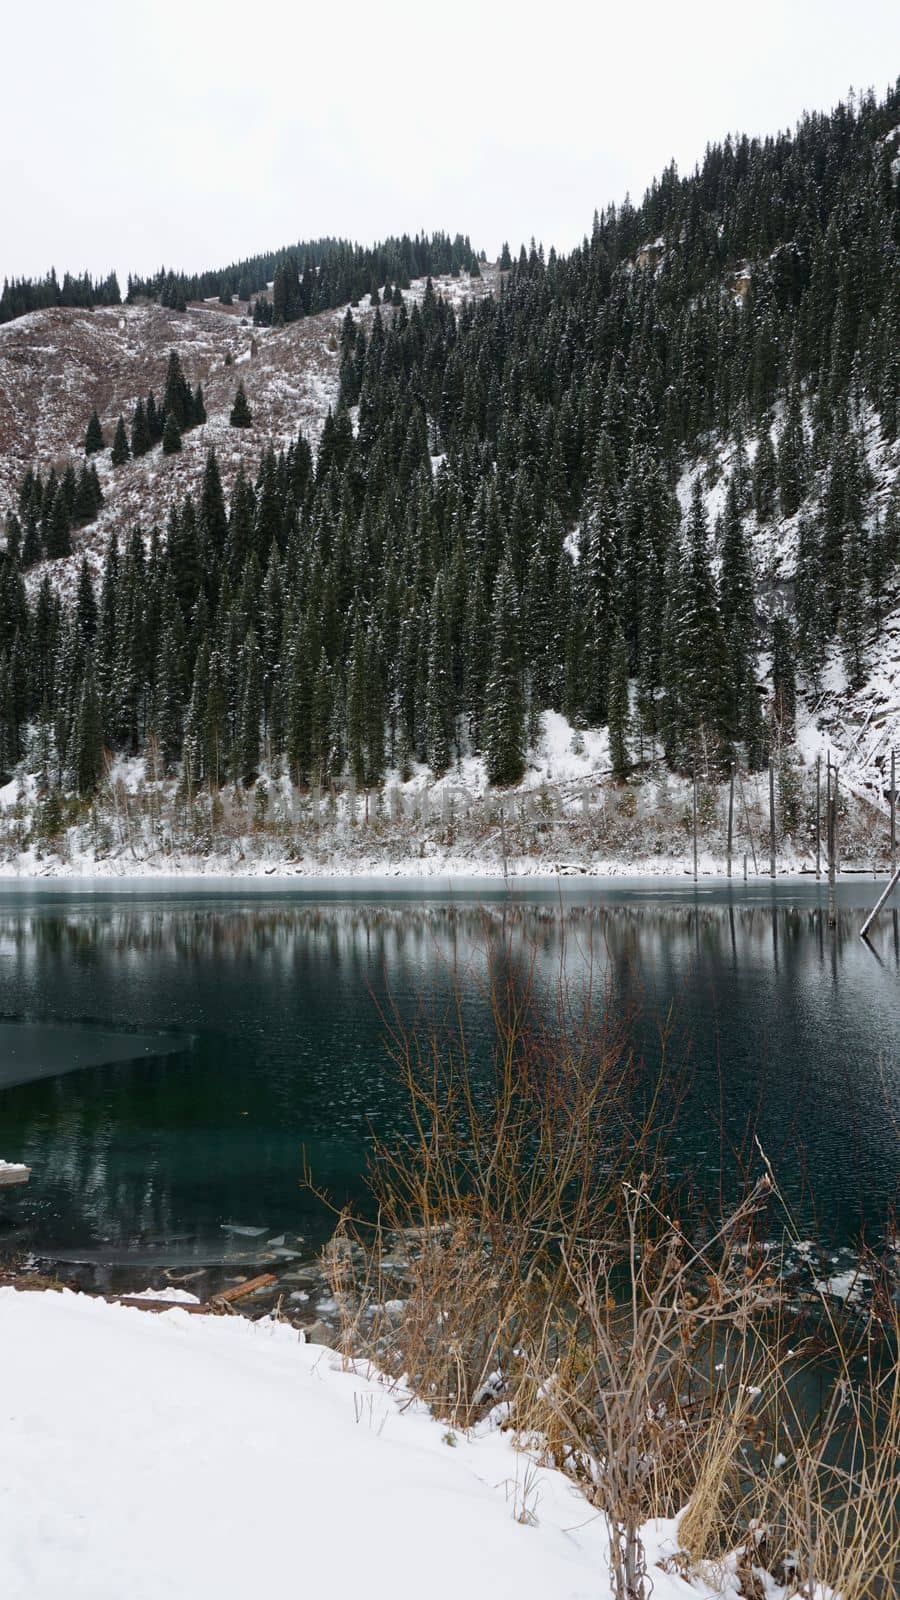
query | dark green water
(166,1057)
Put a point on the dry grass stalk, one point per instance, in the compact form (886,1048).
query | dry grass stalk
(525,1222)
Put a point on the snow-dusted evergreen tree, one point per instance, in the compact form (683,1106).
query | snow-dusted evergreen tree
(177,401)
(617,703)
(695,663)
(504,712)
(600,536)
(356,706)
(171,436)
(87,739)
(765,478)
(375,709)
(250,710)
(439,701)
(853,605)
(57,534)
(141,436)
(93,439)
(793,453)
(120,448)
(241,416)
(737,606)
(213,517)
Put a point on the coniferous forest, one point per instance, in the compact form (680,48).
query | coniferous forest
(307,277)
(489,526)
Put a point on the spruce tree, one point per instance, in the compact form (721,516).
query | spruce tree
(793,464)
(194,741)
(439,703)
(504,712)
(213,519)
(177,399)
(87,739)
(155,419)
(617,703)
(171,437)
(32,542)
(765,478)
(86,504)
(86,606)
(375,717)
(695,667)
(356,707)
(93,439)
(250,712)
(298,709)
(141,435)
(600,537)
(737,604)
(216,725)
(810,608)
(168,694)
(241,416)
(57,539)
(14,539)
(320,719)
(120,449)
(853,606)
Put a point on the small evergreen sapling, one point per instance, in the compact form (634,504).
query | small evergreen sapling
(241,416)
(93,439)
(120,450)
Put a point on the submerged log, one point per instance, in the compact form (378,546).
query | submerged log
(140,1303)
(241,1290)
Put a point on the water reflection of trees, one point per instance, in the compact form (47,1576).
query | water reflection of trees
(786,1020)
(625,931)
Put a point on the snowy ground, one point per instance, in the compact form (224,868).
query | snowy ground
(170,1457)
(567,816)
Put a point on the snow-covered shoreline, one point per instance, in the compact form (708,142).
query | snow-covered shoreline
(177,1456)
(566,821)
(173,1455)
(430,873)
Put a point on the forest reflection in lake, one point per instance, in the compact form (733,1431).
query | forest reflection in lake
(233,1031)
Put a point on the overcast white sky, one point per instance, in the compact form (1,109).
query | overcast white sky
(194,133)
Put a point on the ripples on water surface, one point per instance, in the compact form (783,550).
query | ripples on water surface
(166,1057)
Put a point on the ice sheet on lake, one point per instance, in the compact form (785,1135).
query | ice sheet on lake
(33,1050)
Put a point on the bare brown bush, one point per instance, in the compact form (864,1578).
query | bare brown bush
(527,1253)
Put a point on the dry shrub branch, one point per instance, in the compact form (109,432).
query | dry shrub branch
(529,1258)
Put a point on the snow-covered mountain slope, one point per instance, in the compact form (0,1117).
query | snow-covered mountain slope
(857,727)
(57,365)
